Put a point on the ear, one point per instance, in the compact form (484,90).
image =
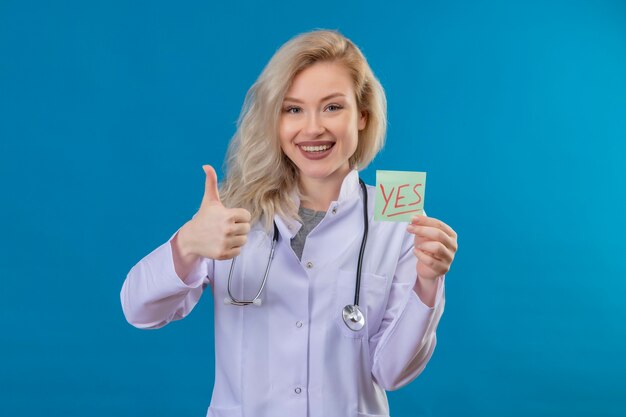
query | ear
(363,119)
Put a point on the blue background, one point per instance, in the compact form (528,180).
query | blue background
(517,110)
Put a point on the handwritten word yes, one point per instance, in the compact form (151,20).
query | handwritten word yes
(414,195)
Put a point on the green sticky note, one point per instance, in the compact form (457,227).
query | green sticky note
(399,195)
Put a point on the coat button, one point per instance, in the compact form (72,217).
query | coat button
(309,265)
(334,210)
(298,390)
(298,324)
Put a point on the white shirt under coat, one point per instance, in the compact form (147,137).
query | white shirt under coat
(293,355)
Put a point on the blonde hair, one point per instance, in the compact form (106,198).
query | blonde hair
(259,176)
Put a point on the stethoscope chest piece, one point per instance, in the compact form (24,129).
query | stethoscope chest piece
(353,317)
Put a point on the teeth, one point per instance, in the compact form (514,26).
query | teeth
(315,148)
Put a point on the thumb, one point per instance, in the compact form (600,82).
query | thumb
(211,193)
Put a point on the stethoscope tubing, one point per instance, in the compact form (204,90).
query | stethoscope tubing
(357,289)
(352,315)
(256,300)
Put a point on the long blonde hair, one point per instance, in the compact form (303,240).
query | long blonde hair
(259,176)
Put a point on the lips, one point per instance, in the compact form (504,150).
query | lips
(315,143)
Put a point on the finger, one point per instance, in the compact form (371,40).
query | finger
(436,250)
(425,271)
(238,229)
(239,215)
(228,254)
(438,267)
(432,233)
(431,221)
(235,242)
(211,193)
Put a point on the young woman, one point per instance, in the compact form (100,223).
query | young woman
(318,308)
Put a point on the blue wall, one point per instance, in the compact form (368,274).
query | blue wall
(517,110)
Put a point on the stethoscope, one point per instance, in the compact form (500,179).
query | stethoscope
(351,313)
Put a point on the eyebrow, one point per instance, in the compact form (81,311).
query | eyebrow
(295,100)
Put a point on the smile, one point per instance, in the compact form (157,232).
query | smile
(315,151)
(319,148)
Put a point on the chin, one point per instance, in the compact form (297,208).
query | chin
(320,173)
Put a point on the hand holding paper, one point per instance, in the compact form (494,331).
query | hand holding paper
(435,246)
(400,197)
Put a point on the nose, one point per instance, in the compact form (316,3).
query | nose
(314,126)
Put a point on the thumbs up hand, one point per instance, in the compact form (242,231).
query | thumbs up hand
(215,232)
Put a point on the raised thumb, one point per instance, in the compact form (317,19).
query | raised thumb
(211,193)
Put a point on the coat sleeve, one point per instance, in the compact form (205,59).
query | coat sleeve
(407,336)
(154,295)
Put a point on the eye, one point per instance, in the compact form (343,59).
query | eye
(292,110)
(334,107)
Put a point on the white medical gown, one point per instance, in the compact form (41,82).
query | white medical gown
(293,355)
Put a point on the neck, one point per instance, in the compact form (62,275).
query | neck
(319,193)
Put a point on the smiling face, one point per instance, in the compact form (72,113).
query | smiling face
(320,123)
